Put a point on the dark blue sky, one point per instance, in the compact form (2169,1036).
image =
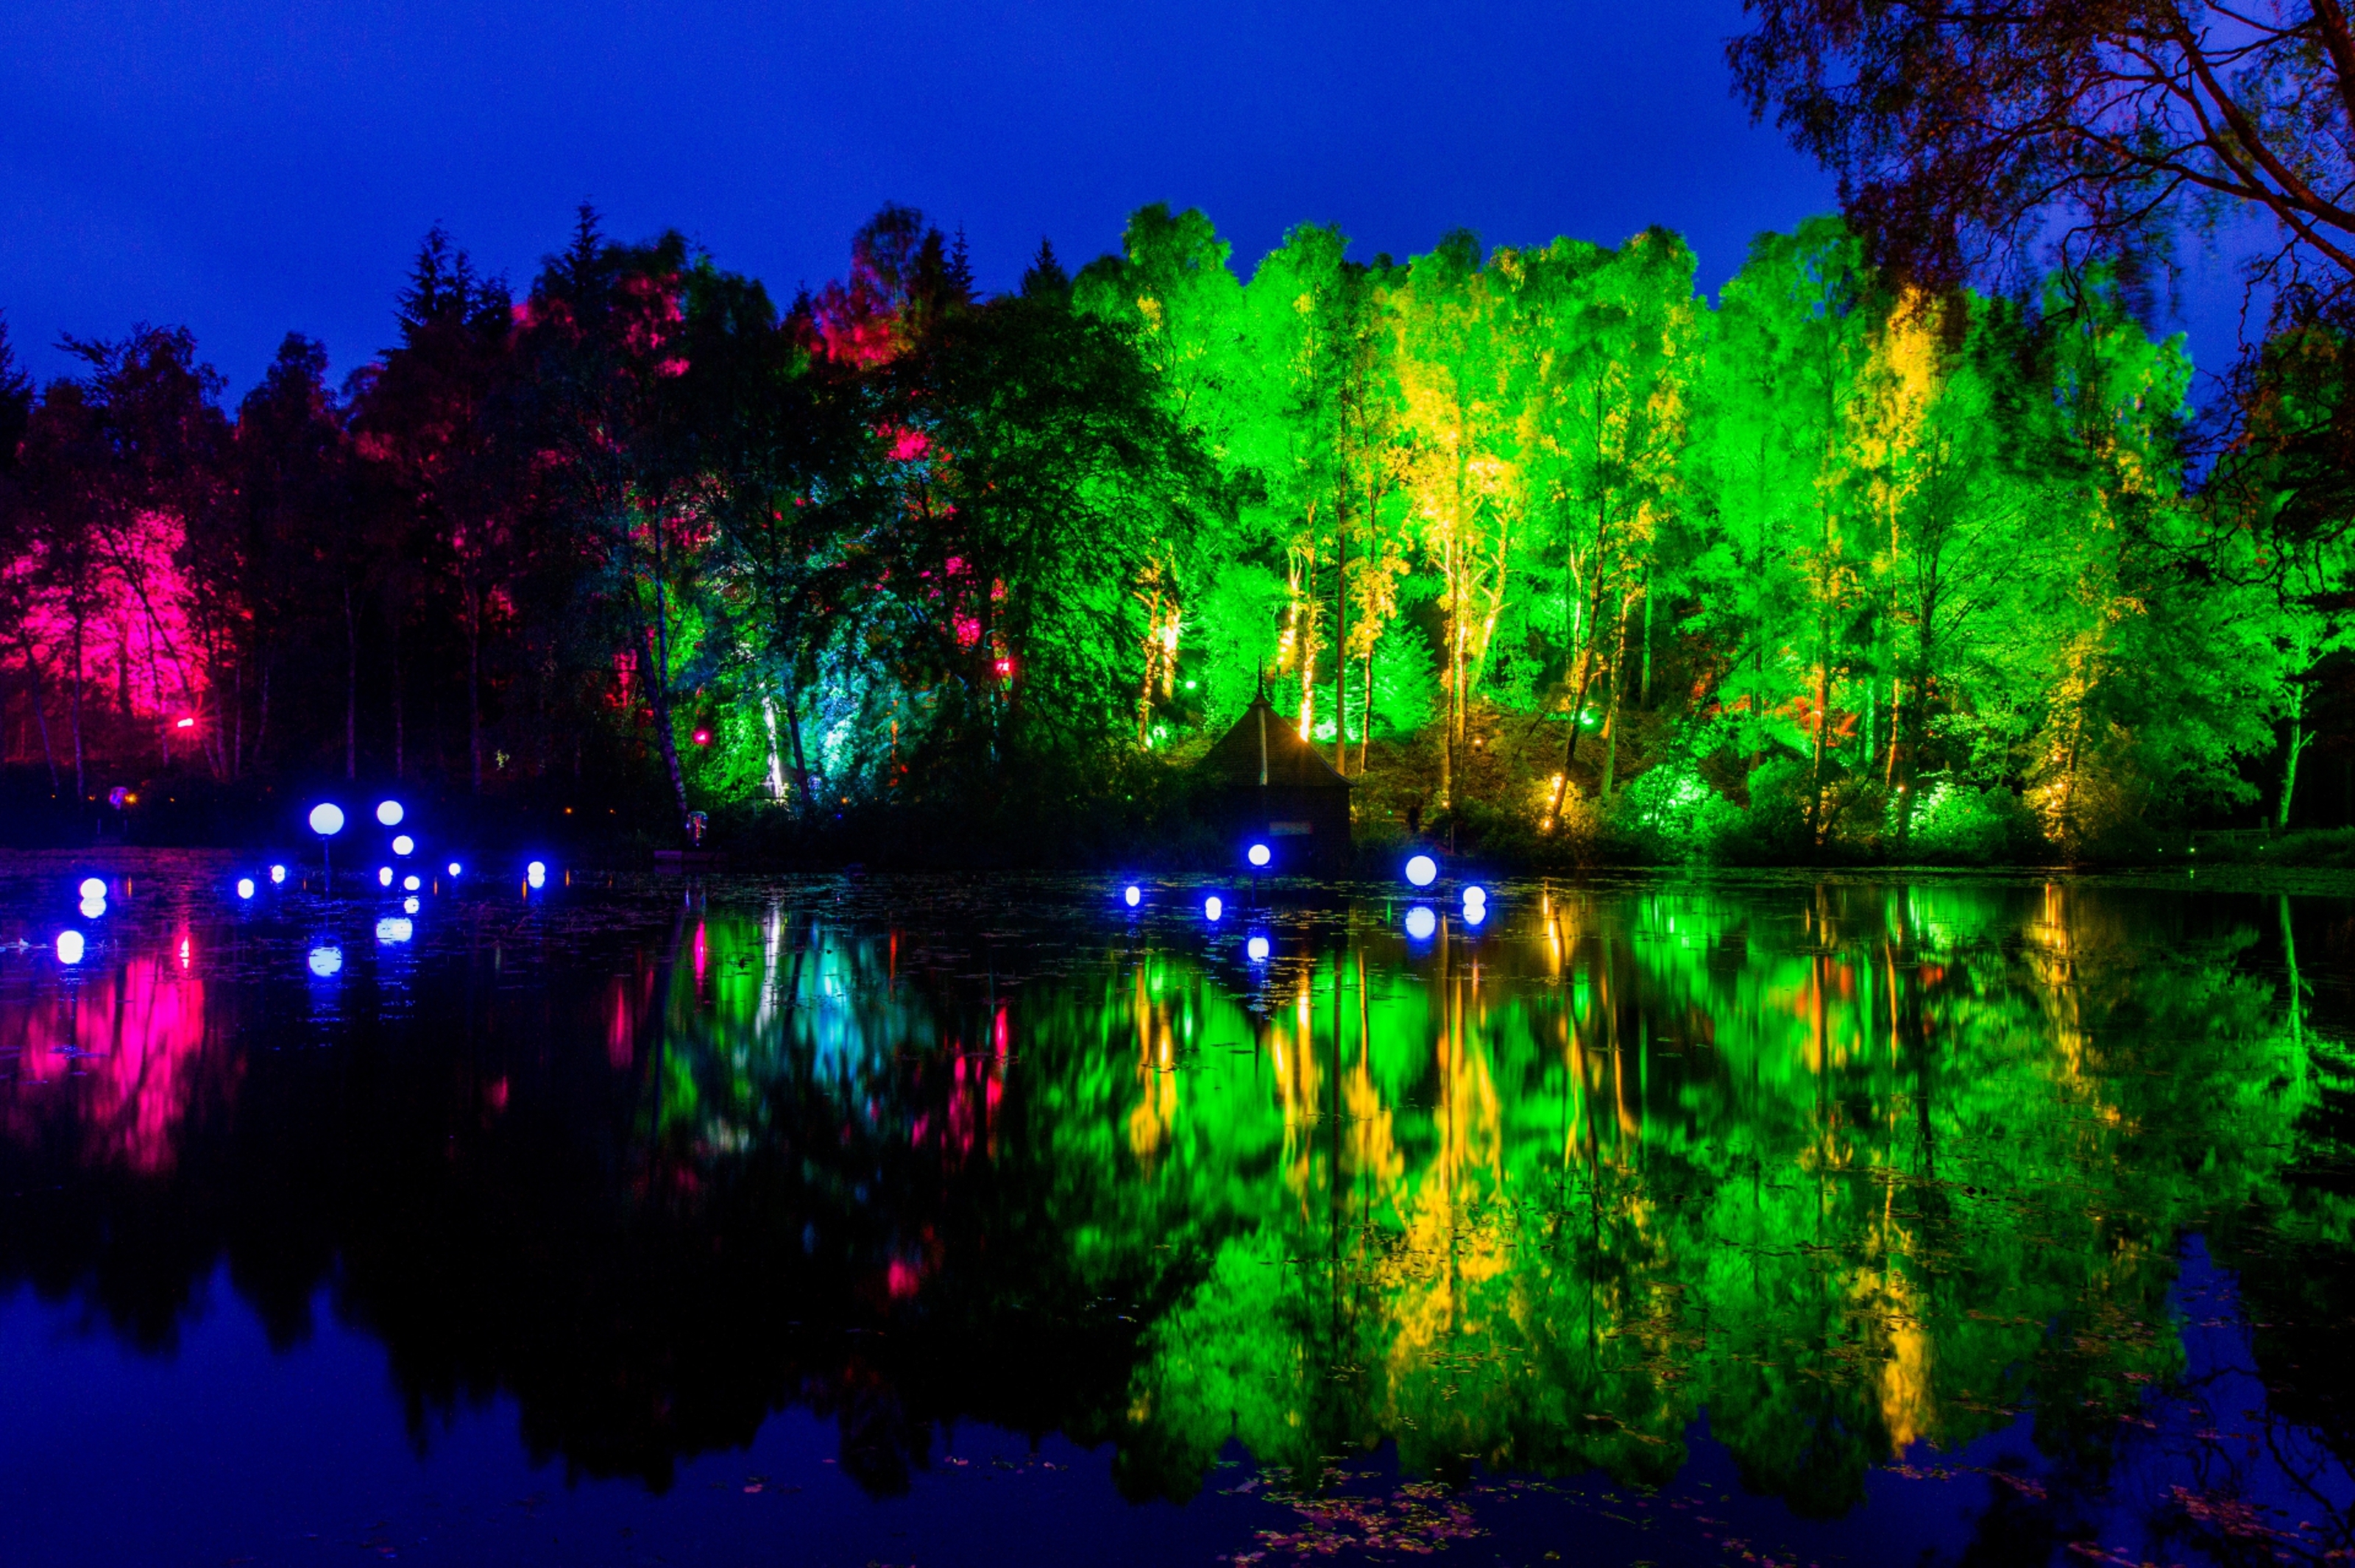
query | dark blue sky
(248,169)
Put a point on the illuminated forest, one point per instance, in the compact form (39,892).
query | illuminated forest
(1542,542)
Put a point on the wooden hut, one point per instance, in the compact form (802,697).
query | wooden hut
(1273,788)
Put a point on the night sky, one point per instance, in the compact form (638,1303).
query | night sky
(249,168)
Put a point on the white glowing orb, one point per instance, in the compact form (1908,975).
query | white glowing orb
(394,928)
(389,813)
(1421,922)
(535,873)
(410,884)
(70,946)
(1259,854)
(1423,870)
(326,819)
(402,844)
(383,876)
(1256,949)
(453,867)
(1131,895)
(409,906)
(277,873)
(1213,907)
(93,908)
(245,887)
(1475,894)
(92,887)
(1475,912)
(327,960)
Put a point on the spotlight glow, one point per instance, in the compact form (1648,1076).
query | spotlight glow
(277,873)
(1423,870)
(389,813)
(70,946)
(1212,908)
(1421,922)
(1259,854)
(245,887)
(326,962)
(1132,896)
(326,819)
(402,844)
(1256,949)
(92,887)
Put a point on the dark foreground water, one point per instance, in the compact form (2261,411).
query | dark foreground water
(841,1222)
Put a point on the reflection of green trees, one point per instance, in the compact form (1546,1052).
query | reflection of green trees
(1843,1168)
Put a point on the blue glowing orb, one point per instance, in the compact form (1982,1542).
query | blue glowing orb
(277,873)
(389,813)
(402,844)
(326,819)
(1131,895)
(383,876)
(1475,912)
(1475,894)
(1423,870)
(1259,854)
(453,867)
(70,946)
(536,874)
(1213,907)
(326,962)
(245,887)
(92,887)
(394,928)
(1256,949)
(1421,922)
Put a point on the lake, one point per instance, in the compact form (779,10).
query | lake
(840,1221)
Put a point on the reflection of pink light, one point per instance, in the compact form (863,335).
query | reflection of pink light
(904,1279)
(118,1056)
(699,955)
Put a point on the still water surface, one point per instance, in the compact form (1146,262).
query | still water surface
(943,1223)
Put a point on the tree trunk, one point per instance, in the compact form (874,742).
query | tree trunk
(41,715)
(1341,643)
(82,781)
(1611,718)
(351,688)
(400,726)
(474,685)
(2298,741)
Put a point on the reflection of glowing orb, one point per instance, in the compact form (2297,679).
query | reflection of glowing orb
(394,928)
(1256,949)
(410,884)
(453,867)
(92,887)
(383,876)
(1421,922)
(1259,854)
(277,873)
(389,813)
(1475,912)
(1423,870)
(535,873)
(327,820)
(1213,907)
(70,946)
(93,908)
(402,844)
(1133,896)
(327,960)
(409,906)
(1475,894)
(245,887)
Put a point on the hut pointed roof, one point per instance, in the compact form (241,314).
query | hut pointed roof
(1265,749)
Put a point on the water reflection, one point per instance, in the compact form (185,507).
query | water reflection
(1846,1176)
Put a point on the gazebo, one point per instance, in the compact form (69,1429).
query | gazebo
(1274,789)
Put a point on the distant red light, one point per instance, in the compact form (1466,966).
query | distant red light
(1006,667)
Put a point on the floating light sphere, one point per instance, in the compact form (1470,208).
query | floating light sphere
(1131,895)
(245,887)
(453,867)
(394,928)
(1475,894)
(1212,908)
(389,813)
(326,819)
(1256,949)
(410,884)
(1421,922)
(1475,912)
(70,946)
(536,874)
(92,887)
(277,873)
(403,844)
(91,909)
(327,960)
(1259,854)
(383,876)
(409,906)
(1423,870)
